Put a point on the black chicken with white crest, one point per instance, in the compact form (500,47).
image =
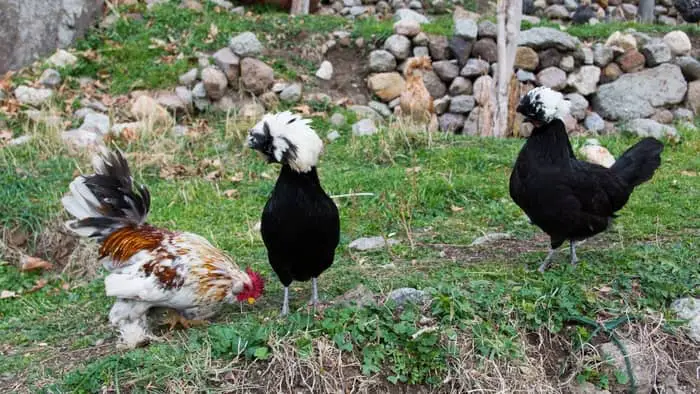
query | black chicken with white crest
(300,224)
(569,199)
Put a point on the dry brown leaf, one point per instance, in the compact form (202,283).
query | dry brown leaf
(689,173)
(128,134)
(90,54)
(342,101)
(216,174)
(267,175)
(38,285)
(413,170)
(172,171)
(205,163)
(455,208)
(7,294)
(11,106)
(304,109)
(5,136)
(29,263)
(237,177)
(605,289)
(213,32)
(231,193)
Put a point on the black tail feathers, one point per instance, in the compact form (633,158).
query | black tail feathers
(638,164)
(106,201)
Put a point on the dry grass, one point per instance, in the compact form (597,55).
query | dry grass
(72,257)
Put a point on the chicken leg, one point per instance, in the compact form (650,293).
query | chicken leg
(285,303)
(572,247)
(314,294)
(547,260)
(174,318)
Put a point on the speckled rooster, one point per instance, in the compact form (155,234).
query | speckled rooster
(150,266)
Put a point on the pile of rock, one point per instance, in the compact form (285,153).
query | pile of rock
(210,85)
(578,11)
(49,80)
(618,80)
(401,9)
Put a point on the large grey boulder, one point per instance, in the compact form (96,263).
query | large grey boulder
(634,96)
(34,28)
(546,37)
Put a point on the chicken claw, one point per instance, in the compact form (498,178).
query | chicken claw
(174,318)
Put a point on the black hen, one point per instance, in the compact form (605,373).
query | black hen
(567,198)
(689,10)
(300,224)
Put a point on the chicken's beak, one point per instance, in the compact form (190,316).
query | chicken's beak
(251,300)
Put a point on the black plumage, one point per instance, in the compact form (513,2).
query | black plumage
(300,224)
(300,227)
(689,10)
(567,198)
(583,14)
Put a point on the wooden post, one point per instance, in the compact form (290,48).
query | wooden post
(646,11)
(300,7)
(509,15)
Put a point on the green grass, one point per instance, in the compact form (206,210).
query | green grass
(649,259)
(151,52)
(434,198)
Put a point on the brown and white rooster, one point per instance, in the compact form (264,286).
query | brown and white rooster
(150,266)
(416,101)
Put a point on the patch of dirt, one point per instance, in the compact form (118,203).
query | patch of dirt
(60,360)
(553,351)
(350,68)
(514,247)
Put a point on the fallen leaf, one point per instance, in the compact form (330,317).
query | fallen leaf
(216,174)
(237,177)
(231,193)
(38,285)
(172,171)
(414,170)
(267,175)
(605,289)
(304,109)
(7,294)
(455,208)
(689,173)
(213,32)
(342,101)
(29,263)
(205,163)
(5,135)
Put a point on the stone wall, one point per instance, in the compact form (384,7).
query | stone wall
(628,77)
(33,28)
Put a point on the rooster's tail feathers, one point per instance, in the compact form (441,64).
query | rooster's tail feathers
(638,164)
(106,201)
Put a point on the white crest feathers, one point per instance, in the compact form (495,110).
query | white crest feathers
(292,137)
(551,102)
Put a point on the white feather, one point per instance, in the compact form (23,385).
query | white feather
(552,102)
(81,203)
(73,207)
(299,134)
(83,231)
